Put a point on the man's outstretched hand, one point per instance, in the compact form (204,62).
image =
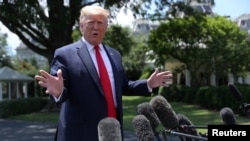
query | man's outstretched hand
(53,84)
(158,78)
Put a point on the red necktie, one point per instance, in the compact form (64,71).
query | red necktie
(104,77)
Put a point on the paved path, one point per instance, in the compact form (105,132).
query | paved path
(16,130)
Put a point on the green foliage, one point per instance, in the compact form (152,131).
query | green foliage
(26,67)
(30,68)
(21,106)
(76,34)
(200,43)
(119,38)
(134,62)
(146,73)
(45,26)
(5,58)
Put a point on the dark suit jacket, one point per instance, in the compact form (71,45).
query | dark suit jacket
(82,102)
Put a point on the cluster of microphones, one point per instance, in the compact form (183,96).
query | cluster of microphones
(158,111)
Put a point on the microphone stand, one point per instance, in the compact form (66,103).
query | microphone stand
(245,108)
(184,135)
(193,126)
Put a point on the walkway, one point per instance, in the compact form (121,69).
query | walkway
(15,130)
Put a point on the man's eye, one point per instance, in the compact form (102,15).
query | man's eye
(100,23)
(90,23)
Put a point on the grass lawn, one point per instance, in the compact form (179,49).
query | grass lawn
(197,115)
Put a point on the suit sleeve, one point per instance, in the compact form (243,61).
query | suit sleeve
(59,63)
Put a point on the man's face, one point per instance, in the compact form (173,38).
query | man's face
(94,28)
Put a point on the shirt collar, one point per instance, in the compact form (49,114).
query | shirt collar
(90,47)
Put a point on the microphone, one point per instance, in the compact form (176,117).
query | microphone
(227,116)
(236,93)
(187,125)
(147,110)
(109,129)
(184,126)
(245,108)
(164,111)
(143,129)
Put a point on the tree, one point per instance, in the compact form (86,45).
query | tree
(134,62)
(200,43)
(5,59)
(131,47)
(45,25)
(119,38)
(234,47)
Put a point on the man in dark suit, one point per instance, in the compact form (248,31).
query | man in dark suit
(74,83)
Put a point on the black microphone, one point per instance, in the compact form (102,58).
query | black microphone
(164,111)
(187,125)
(235,92)
(184,126)
(147,110)
(143,129)
(109,129)
(244,107)
(227,116)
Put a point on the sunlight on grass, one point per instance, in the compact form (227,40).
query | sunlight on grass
(47,117)
(197,115)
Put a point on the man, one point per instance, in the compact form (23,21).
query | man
(75,80)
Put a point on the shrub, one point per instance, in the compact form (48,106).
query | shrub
(21,106)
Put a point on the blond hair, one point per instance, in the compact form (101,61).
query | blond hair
(92,10)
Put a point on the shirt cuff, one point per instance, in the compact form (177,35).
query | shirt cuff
(57,98)
(149,89)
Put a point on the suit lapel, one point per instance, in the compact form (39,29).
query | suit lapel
(112,59)
(83,53)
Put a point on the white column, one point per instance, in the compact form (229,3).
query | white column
(240,80)
(1,92)
(231,78)
(247,80)
(178,78)
(188,78)
(25,90)
(17,90)
(9,91)
(213,80)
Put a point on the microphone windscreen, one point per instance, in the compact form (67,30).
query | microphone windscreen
(235,92)
(185,125)
(164,111)
(183,119)
(109,129)
(227,116)
(143,129)
(147,110)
